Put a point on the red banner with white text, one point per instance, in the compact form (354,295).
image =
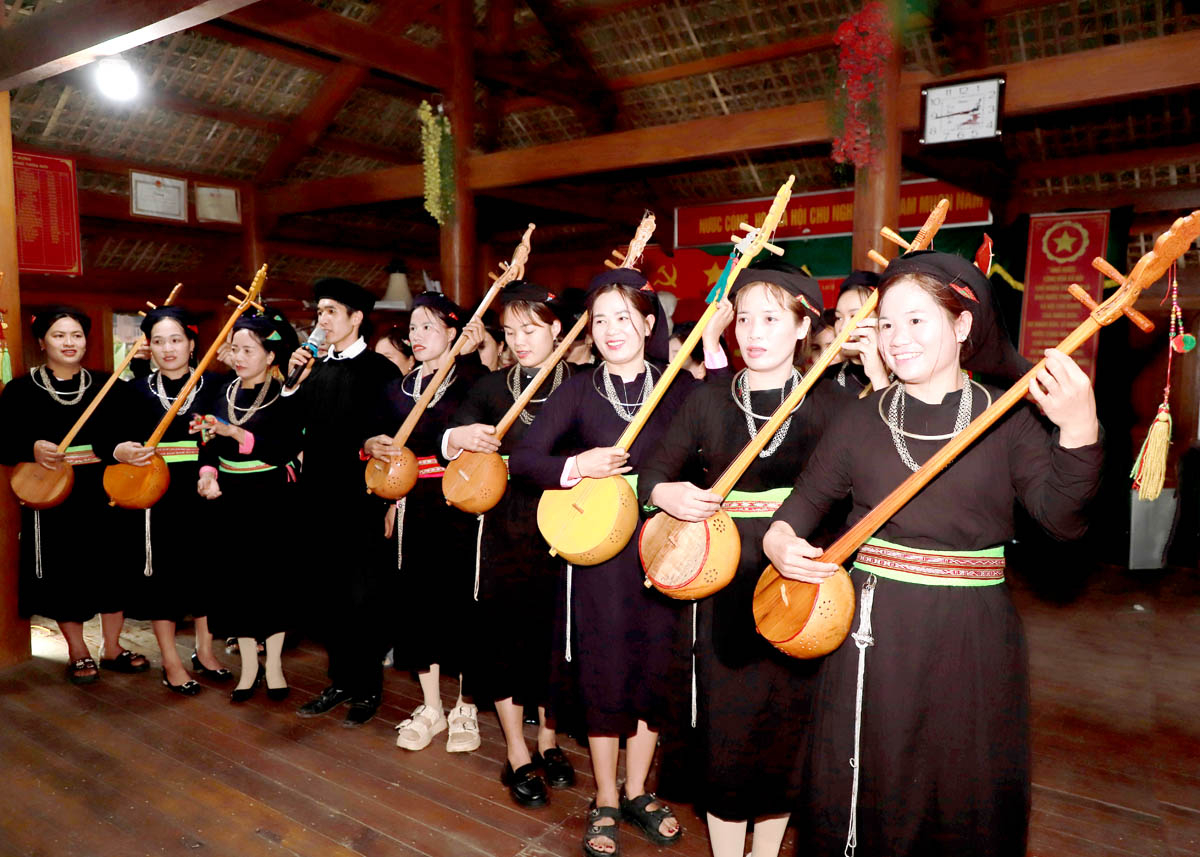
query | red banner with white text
(47,215)
(1061,249)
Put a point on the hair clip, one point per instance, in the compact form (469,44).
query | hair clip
(965,291)
(804,302)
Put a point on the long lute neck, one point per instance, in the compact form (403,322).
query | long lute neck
(727,480)
(539,379)
(108,385)
(853,539)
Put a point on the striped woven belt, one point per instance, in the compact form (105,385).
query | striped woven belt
(180,450)
(227,466)
(754,504)
(932,568)
(428,467)
(83,454)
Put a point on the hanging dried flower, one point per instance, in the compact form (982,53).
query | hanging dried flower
(864,49)
(437,157)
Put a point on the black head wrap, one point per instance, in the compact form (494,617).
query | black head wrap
(277,335)
(43,319)
(345,292)
(571,304)
(452,312)
(523,290)
(658,346)
(789,278)
(176,314)
(988,349)
(859,280)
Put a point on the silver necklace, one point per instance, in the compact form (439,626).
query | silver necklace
(166,401)
(626,410)
(441,390)
(841,375)
(41,378)
(741,390)
(895,420)
(514,386)
(257,405)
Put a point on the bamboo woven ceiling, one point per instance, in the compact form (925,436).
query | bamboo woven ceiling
(220,99)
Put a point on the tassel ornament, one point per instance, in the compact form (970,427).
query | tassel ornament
(1150,468)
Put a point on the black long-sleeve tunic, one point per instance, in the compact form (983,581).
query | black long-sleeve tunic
(945,748)
(623,635)
(59,546)
(753,702)
(517,576)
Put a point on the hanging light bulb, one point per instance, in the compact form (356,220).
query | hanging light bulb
(116,79)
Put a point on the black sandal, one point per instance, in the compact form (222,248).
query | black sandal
(611,832)
(220,674)
(124,663)
(649,820)
(76,667)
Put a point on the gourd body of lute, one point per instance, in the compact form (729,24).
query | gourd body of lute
(686,560)
(475,481)
(40,488)
(392,479)
(804,620)
(590,522)
(131,486)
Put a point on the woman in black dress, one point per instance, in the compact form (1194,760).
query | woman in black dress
(171,583)
(942,767)
(516,577)
(434,541)
(752,701)
(59,577)
(619,636)
(860,365)
(252,435)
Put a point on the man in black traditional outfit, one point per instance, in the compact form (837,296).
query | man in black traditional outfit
(345,581)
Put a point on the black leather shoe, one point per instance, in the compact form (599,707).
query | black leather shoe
(188,688)
(219,675)
(525,785)
(557,767)
(244,694)
(331,697)
(362,709)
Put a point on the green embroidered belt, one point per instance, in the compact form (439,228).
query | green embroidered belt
(179,451)
(227,466)
(931,568)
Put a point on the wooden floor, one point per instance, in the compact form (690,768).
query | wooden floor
(123,768)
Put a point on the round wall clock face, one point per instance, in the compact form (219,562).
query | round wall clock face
(960,111)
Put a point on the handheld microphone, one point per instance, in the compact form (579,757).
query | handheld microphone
(315,340)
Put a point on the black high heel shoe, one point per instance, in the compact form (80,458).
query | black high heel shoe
(242,695)
(221,674)
(278,694)
(188,688)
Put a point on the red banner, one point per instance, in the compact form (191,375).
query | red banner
(47,215)
(824,214)
(1061,249)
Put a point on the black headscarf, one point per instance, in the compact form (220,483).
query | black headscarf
(523,290)
(43,319)
(789,278)
(658,346)
(988,349)
(277,335)
(452,313)
(859,280)
(175,313)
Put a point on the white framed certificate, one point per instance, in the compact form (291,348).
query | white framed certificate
(216,204)
(157,196)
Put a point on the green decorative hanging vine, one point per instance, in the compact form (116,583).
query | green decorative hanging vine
(437,156)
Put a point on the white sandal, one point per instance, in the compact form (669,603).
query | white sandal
(464,729)
(418,730)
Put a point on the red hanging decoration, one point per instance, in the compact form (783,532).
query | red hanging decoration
(865,46)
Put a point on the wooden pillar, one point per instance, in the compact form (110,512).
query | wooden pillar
(14,631)
(458,235)
(254,252)
(877,187)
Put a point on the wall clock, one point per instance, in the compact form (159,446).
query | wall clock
(961,110)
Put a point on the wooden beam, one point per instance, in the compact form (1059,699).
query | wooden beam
(599,109)
(1114,162)
(97,163)
(268,47)
(337,88)
(585,204)
(1111,73)
(307,250)
(736,59)
(60,38)
(308,25)
(1143,200)
(459,280)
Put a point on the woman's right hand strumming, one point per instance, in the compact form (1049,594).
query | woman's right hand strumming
(793,557)
(477,437)
(602,461)
(45,453)
(132,452)
(685,502)
(381,447)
